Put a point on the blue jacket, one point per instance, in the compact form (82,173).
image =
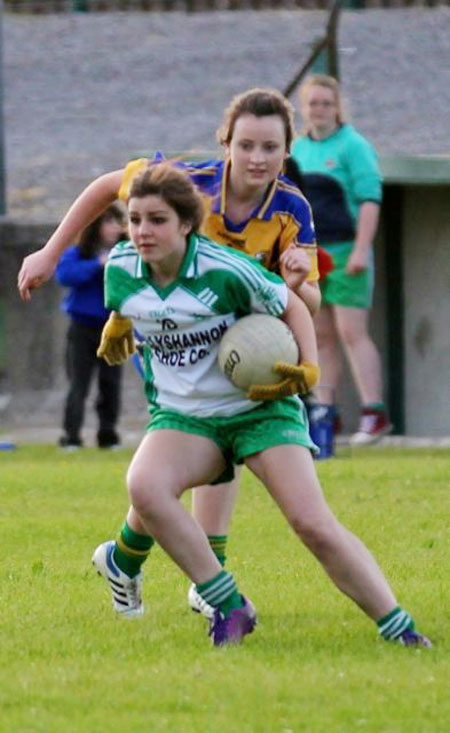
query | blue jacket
(84,277)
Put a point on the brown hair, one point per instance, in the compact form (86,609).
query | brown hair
(261,103)
(175,188)
(90,242)
(329,82)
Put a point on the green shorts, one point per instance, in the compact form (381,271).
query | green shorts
(270,424)
(338,288)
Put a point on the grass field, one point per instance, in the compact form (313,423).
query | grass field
(314,663)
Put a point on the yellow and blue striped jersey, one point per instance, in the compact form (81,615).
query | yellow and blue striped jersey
(284,216)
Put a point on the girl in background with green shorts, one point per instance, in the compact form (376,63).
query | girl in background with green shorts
(342,182)
(181,289)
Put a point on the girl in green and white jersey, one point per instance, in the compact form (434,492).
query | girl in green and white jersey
(182,291)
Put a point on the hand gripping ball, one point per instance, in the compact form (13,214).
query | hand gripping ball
(250,348)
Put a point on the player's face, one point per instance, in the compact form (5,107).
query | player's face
(157,230)
(257,150)
(319,109)
(110,231)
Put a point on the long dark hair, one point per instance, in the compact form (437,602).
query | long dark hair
(90,242)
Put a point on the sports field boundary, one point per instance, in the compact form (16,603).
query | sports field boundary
(132,432)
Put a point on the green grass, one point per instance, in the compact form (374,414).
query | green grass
(314,663)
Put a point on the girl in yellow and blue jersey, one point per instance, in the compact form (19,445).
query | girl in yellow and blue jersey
(249,204)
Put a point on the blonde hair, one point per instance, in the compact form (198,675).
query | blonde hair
(175,187)
(329,82)
(259,102)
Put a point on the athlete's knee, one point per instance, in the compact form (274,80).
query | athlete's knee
(326,333)
(352,328)
(139,491)
(345,331)
(145,492)
(319,535)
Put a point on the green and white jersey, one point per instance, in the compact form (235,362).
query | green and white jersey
(183,323)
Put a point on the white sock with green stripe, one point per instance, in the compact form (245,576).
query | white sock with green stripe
(395,623)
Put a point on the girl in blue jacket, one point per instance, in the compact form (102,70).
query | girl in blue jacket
(80,268)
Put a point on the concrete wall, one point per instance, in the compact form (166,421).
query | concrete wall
(32,332)
(422,348)
(426,267)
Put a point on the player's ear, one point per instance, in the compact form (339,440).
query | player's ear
(185,228)
(283,165)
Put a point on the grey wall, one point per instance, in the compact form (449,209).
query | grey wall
(32,332)
(426,266)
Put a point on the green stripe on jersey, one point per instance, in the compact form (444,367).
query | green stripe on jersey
(120,286)
(264,285)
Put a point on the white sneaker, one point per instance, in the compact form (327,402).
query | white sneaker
(126,591)
(372,427)
(198,604)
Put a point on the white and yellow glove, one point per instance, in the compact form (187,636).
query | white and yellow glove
(117,341)
(298,380)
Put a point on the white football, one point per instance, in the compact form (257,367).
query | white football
(250,348)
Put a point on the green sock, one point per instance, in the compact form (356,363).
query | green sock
(131,550)
(375,406)
(395,623)
(221,591)
(218,544)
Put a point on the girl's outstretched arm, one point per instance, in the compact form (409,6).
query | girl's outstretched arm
(40,266)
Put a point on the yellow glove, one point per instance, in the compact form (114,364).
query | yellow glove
(299,380)
(117,342)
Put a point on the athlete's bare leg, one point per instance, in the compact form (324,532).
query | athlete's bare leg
(330,353)
(212,506)
(361,352)
(165,464)
(289,474)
